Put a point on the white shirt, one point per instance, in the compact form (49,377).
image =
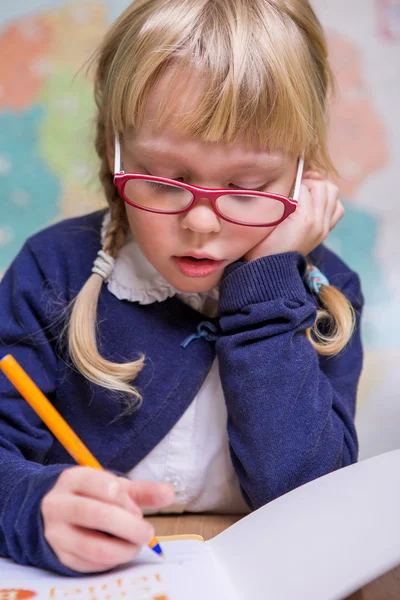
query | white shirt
(194,456)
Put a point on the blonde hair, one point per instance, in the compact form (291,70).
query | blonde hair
(266,67)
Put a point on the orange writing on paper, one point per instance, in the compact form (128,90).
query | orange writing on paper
(16,594)
(145,587)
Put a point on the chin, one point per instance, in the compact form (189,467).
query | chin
(192,285)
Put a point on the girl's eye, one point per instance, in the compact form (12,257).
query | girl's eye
(157,186)
(237,187)
(178,179)
(164,188)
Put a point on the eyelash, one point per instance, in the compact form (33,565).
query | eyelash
(260,189)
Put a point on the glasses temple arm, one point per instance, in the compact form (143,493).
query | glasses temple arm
(299,177)
(117,158)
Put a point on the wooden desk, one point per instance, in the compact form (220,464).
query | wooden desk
(386,587)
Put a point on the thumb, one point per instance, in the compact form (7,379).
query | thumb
(151,493)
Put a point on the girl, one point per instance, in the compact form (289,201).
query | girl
(209,364)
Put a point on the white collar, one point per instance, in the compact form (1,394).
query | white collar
(135,279)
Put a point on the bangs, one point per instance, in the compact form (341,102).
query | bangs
(222,74)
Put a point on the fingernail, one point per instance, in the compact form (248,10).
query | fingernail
(168,491)
(113,489)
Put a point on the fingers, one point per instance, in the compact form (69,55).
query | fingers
(325,206)
(99,485)
(317,204)
(337,216)
(92,519)
(107,487)
(314,175)
(75,546)
(332,205)
(152,494)
(93,514)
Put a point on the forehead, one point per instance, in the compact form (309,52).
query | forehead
(161,139)
(169,146)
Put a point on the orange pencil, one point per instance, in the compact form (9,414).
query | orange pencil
(54,421)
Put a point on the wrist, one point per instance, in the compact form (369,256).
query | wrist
(262,280)
(257,253)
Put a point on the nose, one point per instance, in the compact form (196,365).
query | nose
(202,218)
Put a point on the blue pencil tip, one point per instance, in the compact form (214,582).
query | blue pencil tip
(158,551)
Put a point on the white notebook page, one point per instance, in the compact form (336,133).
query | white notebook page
(322,541)
(188,572)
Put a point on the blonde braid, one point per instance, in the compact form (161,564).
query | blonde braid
(83,323)
(336,316)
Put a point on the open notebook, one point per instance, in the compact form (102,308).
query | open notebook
(322,541)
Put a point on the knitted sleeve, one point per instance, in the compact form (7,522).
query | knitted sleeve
(24,440)
(290,411)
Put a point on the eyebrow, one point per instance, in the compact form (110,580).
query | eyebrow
(148,152)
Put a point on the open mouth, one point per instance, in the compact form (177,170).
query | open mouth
(199,260)
(197,267)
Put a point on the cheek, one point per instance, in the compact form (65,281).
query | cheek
(249,237)
(148,228)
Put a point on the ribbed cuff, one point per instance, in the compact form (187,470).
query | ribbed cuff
(279,276)
(29,527)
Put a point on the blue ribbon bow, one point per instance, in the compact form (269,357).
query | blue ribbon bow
(206,330)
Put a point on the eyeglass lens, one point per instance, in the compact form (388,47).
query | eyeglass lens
(169,198)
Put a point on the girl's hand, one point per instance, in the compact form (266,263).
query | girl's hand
(319,210)
(92,519)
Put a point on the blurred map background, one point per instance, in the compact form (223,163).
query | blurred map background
(48,166)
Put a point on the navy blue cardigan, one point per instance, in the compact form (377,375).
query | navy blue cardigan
(290,411)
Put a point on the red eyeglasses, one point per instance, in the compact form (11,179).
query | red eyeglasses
(169,197)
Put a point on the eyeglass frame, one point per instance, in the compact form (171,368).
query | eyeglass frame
(121,178)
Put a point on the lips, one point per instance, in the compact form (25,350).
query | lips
(198,266)
(199,256)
